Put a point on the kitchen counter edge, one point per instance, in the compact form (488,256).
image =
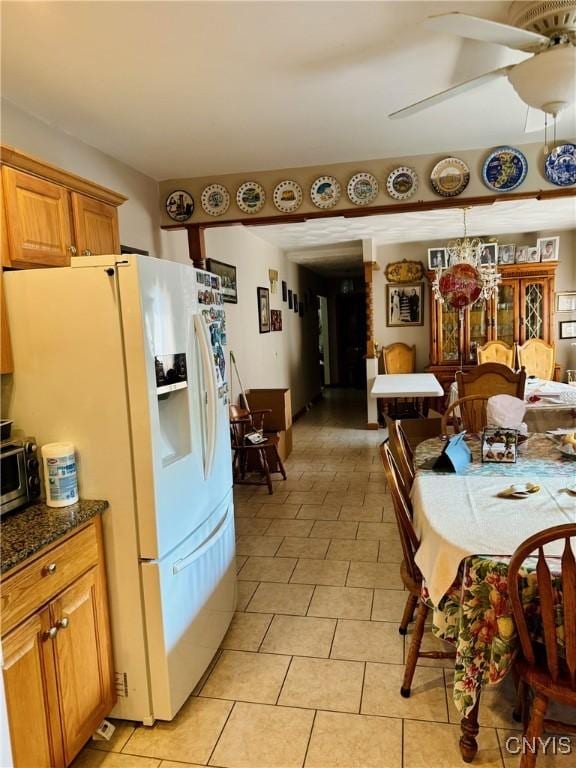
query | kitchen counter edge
(27,531)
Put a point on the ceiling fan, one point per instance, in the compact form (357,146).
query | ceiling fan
(545,81)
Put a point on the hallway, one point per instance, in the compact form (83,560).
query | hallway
(309,673)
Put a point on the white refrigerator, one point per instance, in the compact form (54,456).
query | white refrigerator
(124,357)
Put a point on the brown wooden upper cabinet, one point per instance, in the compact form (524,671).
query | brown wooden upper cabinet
(51,214)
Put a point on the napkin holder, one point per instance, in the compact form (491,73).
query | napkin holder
(455,455)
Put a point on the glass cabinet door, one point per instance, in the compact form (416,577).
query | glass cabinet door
(506,313)
(533,309)
(448,334)
(477,329)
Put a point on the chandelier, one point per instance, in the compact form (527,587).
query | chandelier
(470,274)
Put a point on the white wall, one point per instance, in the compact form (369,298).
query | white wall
(420,335)
(139,216)
(287,358)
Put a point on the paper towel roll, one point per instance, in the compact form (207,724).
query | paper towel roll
(60,479)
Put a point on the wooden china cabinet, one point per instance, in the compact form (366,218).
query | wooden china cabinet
(523,309)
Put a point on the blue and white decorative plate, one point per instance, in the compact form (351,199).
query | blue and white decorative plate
(250,197)
(325,192)
(560,165)
(504,169)
(402,183)
(362,188)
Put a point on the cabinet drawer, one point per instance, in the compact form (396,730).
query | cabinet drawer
(26,591)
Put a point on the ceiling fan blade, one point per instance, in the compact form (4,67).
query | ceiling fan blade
(456,90)
(534,120)
(473,27)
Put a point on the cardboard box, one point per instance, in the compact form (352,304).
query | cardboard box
(418,430)
(278,401)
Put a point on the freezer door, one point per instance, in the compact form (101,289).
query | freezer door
(168,406)
(189,601)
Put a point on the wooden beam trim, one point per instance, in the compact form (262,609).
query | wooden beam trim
(14,158)
(378,210)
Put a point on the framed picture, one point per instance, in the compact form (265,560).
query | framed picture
(276,319)
(284,291)
(533,253)
(521,256)
(263,309)
(289,299)
(301,308)
(566,302)
(227,275)
(295,297)
(499,445)
(548,248)
(436,258)
(567,329)
(489,254)
(506,254)
(404,304)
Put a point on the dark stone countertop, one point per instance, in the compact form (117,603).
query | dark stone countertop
(25,532)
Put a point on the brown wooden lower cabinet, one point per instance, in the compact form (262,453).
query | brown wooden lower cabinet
(58,671)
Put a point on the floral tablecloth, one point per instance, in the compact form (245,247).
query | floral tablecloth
(475,616)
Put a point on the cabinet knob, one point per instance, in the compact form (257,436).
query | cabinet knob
(86,252)
(72,249)
(50,569)
(63,622)
(51,633)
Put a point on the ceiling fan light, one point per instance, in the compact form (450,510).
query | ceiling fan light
(547,81)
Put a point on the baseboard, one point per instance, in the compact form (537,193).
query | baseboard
(372,425)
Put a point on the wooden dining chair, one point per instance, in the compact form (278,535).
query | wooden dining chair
(496,352)
(491,379)
(465,413)
(247,456)
(548,672)
(399,358)
(409,572)
(402,453)
(538,358)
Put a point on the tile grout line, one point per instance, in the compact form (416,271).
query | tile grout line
(283,681)
(232,708)
(309,738)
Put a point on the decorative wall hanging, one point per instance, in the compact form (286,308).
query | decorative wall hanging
(402,183)
(504,169)
(227,275)
(404,305)
(273,277)
(287,196)
(263,309)
(284,291)
(404,271)
(560,165)
(325,192)
(250,197)
(179,205)
(215,199)
(275,319)
(362,188)
(450,177)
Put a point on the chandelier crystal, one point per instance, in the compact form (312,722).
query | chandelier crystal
(468,251)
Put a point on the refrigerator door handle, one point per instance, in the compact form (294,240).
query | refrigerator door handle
(210,380)
(209,541)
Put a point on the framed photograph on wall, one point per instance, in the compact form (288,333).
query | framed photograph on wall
(506,254)
(404,304)
(436,258)
(227,275)
(263,309)
(284,291)
(567,329)
(289,299)
(276,319)
(295,298)
(566,302)
(301,308)
(548,248)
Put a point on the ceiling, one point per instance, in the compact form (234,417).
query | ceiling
(333,245)
(184,89)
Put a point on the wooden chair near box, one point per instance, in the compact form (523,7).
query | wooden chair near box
(249,457)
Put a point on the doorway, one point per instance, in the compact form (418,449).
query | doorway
(324,342)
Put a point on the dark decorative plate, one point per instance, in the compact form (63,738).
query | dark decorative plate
(179,205)
(504,169)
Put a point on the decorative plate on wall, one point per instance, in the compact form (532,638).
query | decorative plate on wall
(402,183)
(450,177)
(504,169)
(250,197)
(362,188)
(560,165)
(287,196)
(325,192)
(179,205)
(215,199)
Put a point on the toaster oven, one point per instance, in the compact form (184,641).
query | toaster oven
(19,473)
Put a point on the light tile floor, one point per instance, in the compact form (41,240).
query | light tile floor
(310,670)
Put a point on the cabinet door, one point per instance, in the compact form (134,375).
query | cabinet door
(96,226)
(25,652)
(37,220)
(477,330)
(507,327)
(82,659)
(449,343)
(534,309)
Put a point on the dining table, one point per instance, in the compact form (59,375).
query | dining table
(392,386)
(467,533)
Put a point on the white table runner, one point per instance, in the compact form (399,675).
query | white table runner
(457,516)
